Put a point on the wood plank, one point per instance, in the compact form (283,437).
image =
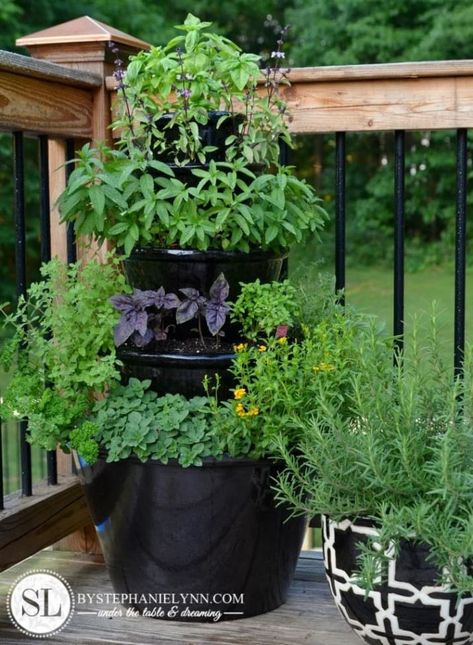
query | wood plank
(375,105)
(32,67)
(309,616)
(29,524)
(44,107)
(354,99)
(419,69)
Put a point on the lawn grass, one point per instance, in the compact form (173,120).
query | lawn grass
(370,289)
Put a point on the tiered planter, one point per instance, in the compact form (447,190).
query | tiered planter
(410,608)
(207,530)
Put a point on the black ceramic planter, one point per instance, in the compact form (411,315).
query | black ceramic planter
(173,269)
(178,373)
(209,134)
(213,532)
(410,608)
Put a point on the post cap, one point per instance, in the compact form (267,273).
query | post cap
(81,30)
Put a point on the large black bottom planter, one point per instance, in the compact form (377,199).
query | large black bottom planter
(213,532)
(179,373)
(411,608)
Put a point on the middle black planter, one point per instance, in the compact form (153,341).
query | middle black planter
(174,269)
(212,531)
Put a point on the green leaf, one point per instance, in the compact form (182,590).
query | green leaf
(97,199)
(271,233)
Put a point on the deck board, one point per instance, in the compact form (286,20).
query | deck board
(309,616)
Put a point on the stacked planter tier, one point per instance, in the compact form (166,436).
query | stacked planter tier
(151,268)
(410,607)
(205,531)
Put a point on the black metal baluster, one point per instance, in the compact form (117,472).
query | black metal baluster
(460,251)
(71,238)
(340,203)
(8,461)
(399,196)
(45,229)
(20,259)
(284,161)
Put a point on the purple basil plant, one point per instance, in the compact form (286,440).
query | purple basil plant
(137,323)
(144,313)
(214,309)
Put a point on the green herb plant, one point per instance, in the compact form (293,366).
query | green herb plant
(279,380)
(134,421)
(397,449)
(62,351)
(261,308)
(161,185)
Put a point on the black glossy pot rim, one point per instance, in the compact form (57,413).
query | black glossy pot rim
(208,462)
(153,253)
(167,358)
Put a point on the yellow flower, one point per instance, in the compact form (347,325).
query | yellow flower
(240,410)
(262,348)
(239,393)
(253,411)
(282,340)
(240,347)
(324,367)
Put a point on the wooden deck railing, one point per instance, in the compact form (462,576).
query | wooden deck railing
(71,98)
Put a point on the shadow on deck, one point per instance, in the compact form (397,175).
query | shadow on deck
(309,616)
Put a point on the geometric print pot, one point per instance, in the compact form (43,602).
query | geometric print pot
(409,609)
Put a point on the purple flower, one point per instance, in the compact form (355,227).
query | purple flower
(185,93)
(278,54)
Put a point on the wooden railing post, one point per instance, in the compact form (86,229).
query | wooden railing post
(81,44)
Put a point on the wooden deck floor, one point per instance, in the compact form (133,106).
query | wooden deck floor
(309,616)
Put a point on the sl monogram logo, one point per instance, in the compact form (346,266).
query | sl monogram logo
(40,603)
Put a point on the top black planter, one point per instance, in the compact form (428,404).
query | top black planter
(209,134)
(174,269)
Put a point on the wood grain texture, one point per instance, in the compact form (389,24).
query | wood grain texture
(27,66)
(78,30)
(57,183)
(419,69)
(355,99)
(44,107)
(374,105)
(309,616)
(29,524)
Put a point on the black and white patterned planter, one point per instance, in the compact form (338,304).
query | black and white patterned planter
(409,609)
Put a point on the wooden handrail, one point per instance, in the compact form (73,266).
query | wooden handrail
(29,524)
(34,68)
(435,95)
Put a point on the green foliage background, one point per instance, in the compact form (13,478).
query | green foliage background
(323,33)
